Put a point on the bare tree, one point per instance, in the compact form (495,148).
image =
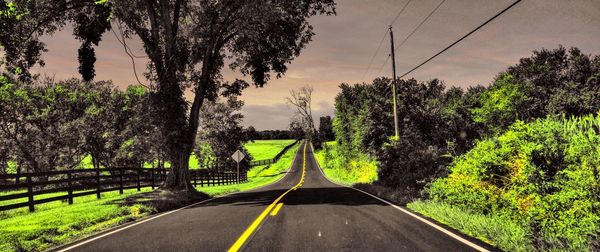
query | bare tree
(301,99)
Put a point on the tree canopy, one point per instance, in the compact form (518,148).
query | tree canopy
(186,42)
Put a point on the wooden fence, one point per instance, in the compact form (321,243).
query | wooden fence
(82,182)
(275,159)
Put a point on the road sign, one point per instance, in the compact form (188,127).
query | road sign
(238,156)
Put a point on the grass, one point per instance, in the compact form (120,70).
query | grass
(266,149)
(257,176)
(359,170)
(57,222)
(259,149)
(498,231)
(86,162)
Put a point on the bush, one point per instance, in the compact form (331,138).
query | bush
(543,175)
(344,170)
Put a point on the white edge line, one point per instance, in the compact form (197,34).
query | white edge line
(443,230)
(77,244)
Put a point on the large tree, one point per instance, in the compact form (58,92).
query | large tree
(186,43)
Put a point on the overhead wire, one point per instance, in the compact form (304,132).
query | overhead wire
(383,38)
(461,39)
(411,33)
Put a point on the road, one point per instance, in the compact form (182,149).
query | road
(315,215)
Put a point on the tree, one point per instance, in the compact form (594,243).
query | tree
(186,43)
(42,123)
(221,131)
(326,128)
(252,134)
(297,127)
(301,100)
(550,82)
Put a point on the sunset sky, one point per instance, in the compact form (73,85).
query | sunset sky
(344,44)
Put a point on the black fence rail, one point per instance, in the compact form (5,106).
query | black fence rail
(82,182)
(275,159)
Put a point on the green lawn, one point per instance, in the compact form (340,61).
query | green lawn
(266,149)
(259,149)
(57,222)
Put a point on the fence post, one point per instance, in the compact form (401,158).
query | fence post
(70,189)
(195,174)
(121,180)
(139,187)
(98,182)
(202,180)
(152,175)
(29,192)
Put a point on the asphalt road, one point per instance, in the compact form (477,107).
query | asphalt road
(317,216)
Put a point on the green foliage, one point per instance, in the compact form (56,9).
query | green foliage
(502,103)
(49,126)
(543,175)
(550,82)
(360,169)
(221,133)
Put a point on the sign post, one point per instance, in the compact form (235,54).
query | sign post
(237,157)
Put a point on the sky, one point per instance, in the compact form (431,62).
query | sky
(344,45)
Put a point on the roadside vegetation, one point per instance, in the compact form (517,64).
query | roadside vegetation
(41,230)
(347,172)
(514,164)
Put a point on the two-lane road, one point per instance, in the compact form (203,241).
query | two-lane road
(315,215)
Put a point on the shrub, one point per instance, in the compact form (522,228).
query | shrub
(544,175)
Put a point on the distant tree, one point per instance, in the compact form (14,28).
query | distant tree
(221,130)
(251,133)
(301,100)
(326,128)
(297,127)
(186,42)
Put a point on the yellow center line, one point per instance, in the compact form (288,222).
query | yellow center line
(276,210)
(250,230)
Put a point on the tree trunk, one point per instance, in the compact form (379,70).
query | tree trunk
(179,174)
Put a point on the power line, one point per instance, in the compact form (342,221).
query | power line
(373,57)
(383,38)
(462,38)
(400,12)
(411,33)
(420,24)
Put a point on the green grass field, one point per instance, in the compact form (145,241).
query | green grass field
(58,222)
(257,176)
(266,149)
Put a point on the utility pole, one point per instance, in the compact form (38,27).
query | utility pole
(394,84)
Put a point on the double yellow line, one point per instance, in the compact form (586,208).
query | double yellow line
(274,207)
